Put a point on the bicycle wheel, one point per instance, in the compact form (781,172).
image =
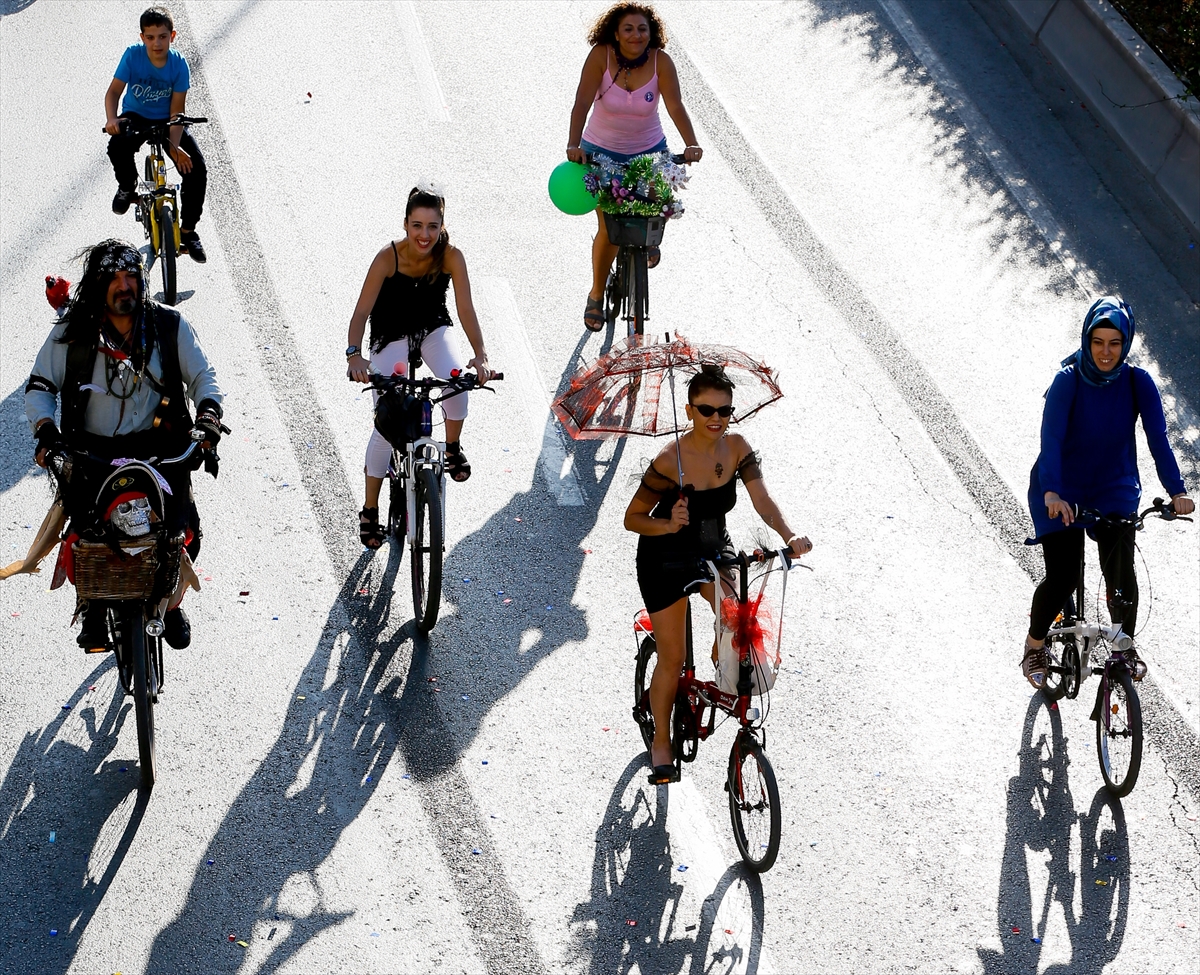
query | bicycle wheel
(612,292)
(397,523)
(427,551)
(1119,733)
(134,626)
(753,803)
(646,658)
(635,292)
(166,252)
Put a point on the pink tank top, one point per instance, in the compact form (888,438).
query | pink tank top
(625,121)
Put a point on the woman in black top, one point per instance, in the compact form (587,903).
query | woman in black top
(404,296)
(677,526)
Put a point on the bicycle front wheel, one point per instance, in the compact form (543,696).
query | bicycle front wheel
(1119,733)
(647,656)
(144,690)
(427,551)
(753,803)
(166,252)
(638,297)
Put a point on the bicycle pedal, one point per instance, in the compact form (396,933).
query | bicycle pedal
(96,649)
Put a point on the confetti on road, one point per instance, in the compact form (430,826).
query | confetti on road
(682,868)
(604,728)
(244,592)
(66,707)
(301,697)
(52,835)
(406,775)
(507,601)
(485,761)
(516,519)
(466,579)
(233,937)
(1101,883)
(54,932)
(210,862)
(1016,930)
(549,608)
(631,922)
(476,851)
(242,944)
(465,697)
(1110,858)
(368,778)
(1036,941)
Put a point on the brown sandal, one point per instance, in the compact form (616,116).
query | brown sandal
(593,314)
(1034,664)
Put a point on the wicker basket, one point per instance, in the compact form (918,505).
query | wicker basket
(100,573)
(635,231)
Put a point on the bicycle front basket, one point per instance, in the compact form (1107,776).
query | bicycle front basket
(101,573)
(634,231)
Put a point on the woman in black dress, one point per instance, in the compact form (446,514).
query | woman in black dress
(404,297)
(677,525)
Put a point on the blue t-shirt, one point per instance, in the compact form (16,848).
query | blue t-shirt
(148,89)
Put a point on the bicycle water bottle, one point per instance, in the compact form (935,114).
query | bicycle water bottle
(426,418)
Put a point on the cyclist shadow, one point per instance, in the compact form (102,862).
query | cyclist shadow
(529,552)
(65,779)
(1041,819)
(259,876)
(634,880)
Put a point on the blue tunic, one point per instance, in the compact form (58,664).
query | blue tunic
(1089,454)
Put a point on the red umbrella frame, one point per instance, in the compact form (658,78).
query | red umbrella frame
(621,392)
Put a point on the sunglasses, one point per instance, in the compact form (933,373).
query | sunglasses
(724,412)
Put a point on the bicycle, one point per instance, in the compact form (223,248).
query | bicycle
(133,576)
(416,477)
(157,207)
(628,286)
(1077,650)
(750,778)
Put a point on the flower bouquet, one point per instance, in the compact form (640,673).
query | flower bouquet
(646,186)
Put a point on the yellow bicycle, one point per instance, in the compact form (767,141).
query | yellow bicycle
(158,201)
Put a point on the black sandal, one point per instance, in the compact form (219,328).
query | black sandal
(457,465)
(593,314)
(368,528)
(664,775)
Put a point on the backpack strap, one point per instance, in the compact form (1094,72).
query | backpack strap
(81,362)
(173,413)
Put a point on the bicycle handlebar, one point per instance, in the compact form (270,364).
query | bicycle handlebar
(757,557)
(158,123)
(676,158)
(1161,507)
(462,383)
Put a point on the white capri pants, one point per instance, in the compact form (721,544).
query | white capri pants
(441,358)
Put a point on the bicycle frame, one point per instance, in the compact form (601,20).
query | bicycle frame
(154,190)
(419,453)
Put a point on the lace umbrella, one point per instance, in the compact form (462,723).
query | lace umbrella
(621,393)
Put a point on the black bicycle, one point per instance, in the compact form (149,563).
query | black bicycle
(126,558)
(1076,649)
(416,477)
(627,293)
(158,202)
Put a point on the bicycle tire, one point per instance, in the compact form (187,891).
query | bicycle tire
(397,522)
(753,803)
(143,694)
(1058,667)
(641,690)
(166,253)
(635,280)
(612,294)
(1120,763)
(427,551)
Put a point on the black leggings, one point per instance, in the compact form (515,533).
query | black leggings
(1062,551)
(121,152)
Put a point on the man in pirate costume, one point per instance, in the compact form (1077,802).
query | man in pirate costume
(124,367)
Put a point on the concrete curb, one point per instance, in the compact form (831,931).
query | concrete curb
(1126,86)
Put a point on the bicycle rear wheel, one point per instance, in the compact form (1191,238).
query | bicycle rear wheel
(427,551)
(646,658)
(166,252)
(753,803)
(612,291)
(1119,733)
(144,690)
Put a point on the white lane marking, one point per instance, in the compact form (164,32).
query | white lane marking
(1179,411)
(432,97)
(692,831)
(516,360)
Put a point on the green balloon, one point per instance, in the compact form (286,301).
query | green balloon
(567,190)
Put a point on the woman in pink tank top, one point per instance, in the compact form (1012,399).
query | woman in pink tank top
(624,77)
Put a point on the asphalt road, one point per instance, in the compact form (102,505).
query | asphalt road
(871,217)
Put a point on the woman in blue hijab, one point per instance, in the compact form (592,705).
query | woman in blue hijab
(1089,458)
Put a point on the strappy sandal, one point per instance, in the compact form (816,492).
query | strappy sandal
(653,256)
(457,465)
(369,532)
(593,314)
(1034,664)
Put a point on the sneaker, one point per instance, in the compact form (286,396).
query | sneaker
(93,637)
(123,201)
(189,243)
(1033,666)
(177,631)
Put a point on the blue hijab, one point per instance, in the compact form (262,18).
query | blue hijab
(1106,312)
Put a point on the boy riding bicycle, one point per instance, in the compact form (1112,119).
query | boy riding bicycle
(155,80)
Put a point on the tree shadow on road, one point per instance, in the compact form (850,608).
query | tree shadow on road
(1041,820)
(69,780)
(636,919)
